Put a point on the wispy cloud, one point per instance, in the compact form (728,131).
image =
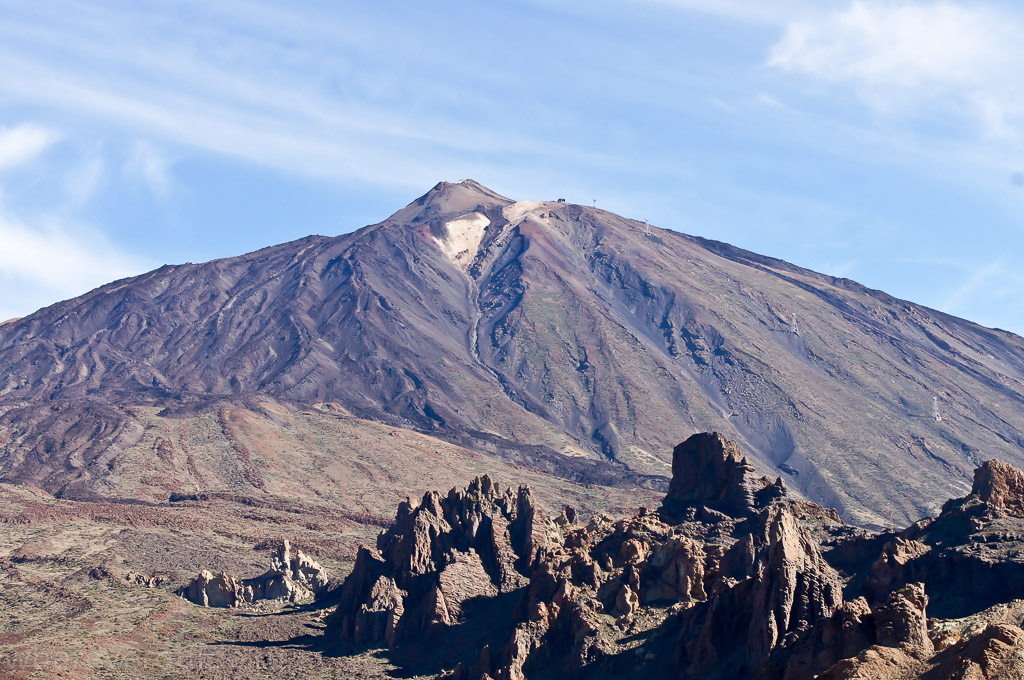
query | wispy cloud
(993,281)
(46,255)
(50,260)
(279,88)
(84,179)
(751,11)
(152,168)
(22,143)
(899,56)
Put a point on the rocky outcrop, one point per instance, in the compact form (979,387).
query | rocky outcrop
(709,471)
(784,589)
(439,556)
(891,567)
(903,622)
(995,653)
(970,557)
(301,569)
(134,578)
(221,590)
(728,580)
(291,578)
(1000,485)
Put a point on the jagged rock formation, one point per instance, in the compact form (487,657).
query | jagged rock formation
(291,578)
(439,556)
(525,330)
(1000,485)
(146,581)
(725,581)
(709,470)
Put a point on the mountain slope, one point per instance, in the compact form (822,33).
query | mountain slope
(560,336)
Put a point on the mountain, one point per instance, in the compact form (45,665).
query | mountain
(556,336)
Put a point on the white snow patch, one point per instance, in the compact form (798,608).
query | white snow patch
(462,241)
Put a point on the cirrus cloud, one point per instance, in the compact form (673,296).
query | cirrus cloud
(900,55)
(22,143)
(50,260)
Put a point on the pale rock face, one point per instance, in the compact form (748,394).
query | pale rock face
(627,601)
(291,578)
(221,590)
(516,212)
(680,563)
(461,241)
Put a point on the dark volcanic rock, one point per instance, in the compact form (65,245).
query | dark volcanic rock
(438,557)
(695,595)
(709,470)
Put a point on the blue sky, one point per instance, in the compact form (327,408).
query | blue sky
(876,140)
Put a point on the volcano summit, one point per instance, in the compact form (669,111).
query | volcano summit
(555,336)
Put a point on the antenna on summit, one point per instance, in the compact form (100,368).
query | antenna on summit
(595,202)
(647,227)
(935,409)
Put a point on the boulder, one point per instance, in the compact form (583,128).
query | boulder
(903,622)
(221,590)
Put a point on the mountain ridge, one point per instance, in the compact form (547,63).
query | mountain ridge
(553,334)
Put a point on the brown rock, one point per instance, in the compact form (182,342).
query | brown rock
(749,625)
(136,579)
(709,470)
(291,578)
(627,601)
(633,551)
(215,591)
(439,555)
(680,566)
(1000,485)
(996,653)
(797,590)
(755,597)
(903,622)
(890,568)
(874,663)
(463,580)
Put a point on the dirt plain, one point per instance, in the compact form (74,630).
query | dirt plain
(74,574)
